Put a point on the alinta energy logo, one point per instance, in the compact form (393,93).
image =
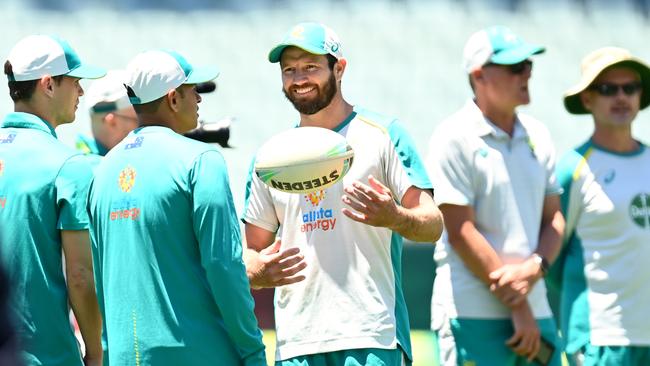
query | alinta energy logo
(319,218)
(2,167)
(126,179)
(640,210)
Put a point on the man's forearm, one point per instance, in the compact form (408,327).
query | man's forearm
(477,254)
(550,237)
(81,291)
(422,223)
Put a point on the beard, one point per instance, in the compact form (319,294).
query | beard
(322,99)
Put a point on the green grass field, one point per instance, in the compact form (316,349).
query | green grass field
(424,351)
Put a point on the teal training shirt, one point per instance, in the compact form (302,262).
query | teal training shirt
(43,187)
(165,234)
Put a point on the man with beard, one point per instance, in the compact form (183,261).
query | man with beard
(603,273)
(346,306)
(500,199)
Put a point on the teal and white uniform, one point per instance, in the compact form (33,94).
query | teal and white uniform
(166,238)
(352,295)
(605,275)
(505,180)
(43,187)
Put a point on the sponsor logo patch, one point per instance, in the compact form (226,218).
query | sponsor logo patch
(640,210)
(7,138)
(320,218)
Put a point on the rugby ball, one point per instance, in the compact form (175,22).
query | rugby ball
(303,160)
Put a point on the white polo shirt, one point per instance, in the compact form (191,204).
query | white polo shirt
(505,180)
(610,223)
(352,295)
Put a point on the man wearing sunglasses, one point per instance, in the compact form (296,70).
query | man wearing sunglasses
(603,271)
(494,171)
(111,114)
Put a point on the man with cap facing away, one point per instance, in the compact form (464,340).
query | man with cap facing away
(164,229)
(347,306)
(111,114)
(43,188)
(494,170)
(603,272)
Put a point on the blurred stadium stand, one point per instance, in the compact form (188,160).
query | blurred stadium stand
(403,59)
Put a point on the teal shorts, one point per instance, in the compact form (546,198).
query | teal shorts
(353,357)
(477,342)
(616,355)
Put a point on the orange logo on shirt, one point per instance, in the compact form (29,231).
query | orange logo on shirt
(127,179)
(315,197)
(2,167)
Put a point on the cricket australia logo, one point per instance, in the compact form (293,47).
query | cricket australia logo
(640,210)
(127,179)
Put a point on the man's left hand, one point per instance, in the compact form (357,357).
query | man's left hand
(371,204)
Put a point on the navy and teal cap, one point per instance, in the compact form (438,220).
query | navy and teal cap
(497,45)
(312,37)
(152,74)
(36,56)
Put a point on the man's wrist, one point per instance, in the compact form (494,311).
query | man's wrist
(542,262)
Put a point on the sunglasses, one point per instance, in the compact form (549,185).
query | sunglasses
(517,68)
(611,89)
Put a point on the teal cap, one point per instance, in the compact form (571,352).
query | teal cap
(497,45)
(152,74)
(38,55)
(312,37)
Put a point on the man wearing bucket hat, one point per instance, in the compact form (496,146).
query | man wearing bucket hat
(171,277)
(349,307)
(43,187)
(112,116)
(604,275)
(494,168)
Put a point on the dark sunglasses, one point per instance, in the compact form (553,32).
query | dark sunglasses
(516,69)
(611,89)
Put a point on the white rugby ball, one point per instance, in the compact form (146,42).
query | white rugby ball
(303,160)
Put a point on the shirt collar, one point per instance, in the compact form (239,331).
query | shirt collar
(28,120)
(485,127)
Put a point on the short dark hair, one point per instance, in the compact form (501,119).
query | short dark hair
(23,90)
(331,61)
(150,107)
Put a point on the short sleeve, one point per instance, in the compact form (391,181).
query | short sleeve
(451,169)
(404,167)
(259,209)
(71,186)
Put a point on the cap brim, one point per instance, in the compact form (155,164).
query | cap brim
(573,103)
(202,75)
(276,52)
(85,71)
(516,55)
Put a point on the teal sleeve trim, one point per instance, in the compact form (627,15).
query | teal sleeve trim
(409,156)
(249,187)
(401,313)
(220,246)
